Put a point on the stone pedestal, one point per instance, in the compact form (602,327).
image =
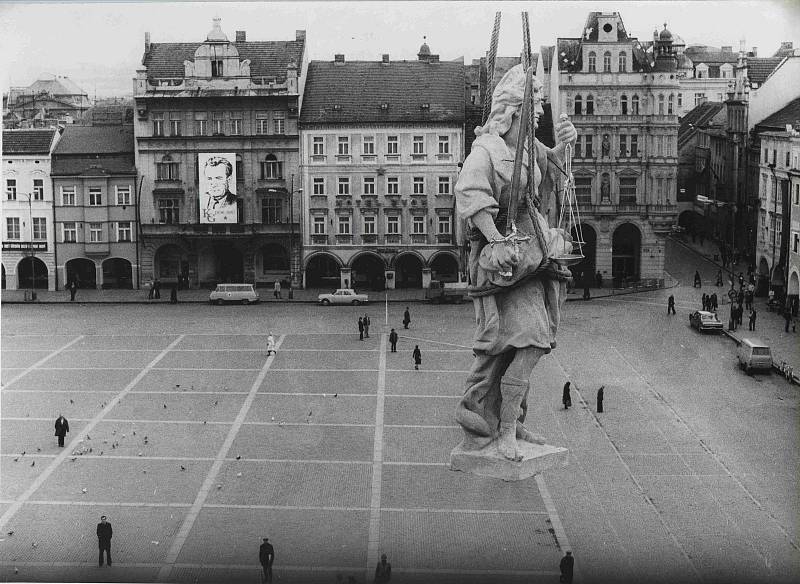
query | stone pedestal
(488,462)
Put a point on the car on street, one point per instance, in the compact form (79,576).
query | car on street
(234,293)
(703,320)
(343,296)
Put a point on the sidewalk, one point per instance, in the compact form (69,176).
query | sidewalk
(769,325)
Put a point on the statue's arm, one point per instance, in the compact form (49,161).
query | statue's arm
(475,198)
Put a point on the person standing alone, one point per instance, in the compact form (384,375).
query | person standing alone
(406,318)
(600,399)
(266,556)
(366,326)
(751,325)
(62,427)
(565,397)
(73,288)
(393,336)
(104,533)
(383,571)
(276,290)
(360,329)
(567,567)
(671,304)
(417,355)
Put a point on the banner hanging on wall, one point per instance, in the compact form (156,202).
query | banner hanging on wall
(217,187)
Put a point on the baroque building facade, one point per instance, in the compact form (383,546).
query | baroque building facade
(621,95)
(236,102)
(381,144)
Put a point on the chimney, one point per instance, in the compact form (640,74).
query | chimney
(338,58)
(385,60)
(241,36)
(727,49)
(147,42)
(300,35)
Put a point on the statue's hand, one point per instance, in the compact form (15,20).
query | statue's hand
(565,131)
(504,257)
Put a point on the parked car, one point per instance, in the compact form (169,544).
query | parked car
(343,296)
(446,292)
(238,293)
(703,320)
(754,354)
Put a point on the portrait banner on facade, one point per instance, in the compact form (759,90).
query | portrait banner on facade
(217,190)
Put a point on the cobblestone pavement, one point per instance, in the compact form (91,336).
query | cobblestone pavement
(196,445)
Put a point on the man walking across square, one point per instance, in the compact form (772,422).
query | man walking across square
(671,304)
(406,318)
(417,355)
(62,427)
(751,325)
(266,556)
(104,533)
(393,336)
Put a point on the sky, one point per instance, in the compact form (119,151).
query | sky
(100,44)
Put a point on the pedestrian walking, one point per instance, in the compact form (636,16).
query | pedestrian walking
(393,336)
(383,571)
(714,301)
(704,301)
(271,345)
(417,355)
(173,294)
(360,329)
(104,533)
(406,318)
(751,325)
(266,556)
(565,397)
(600,399)
(671,304)
(598,279)
(157,289)
(739,314)
(62,427)
(276,290)
(697,282)
(152,289)
(567,567)
(73,289)
(366,326)
(748,299)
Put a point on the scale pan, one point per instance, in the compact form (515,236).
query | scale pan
(569,259)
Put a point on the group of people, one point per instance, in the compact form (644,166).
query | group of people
(710,302)
(155,291)
(363,333)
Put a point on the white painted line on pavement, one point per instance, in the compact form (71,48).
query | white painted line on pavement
(435,342)
(429,371)
(374,539)
(555,520)
(205,489)
(464,511)
(39,362)
(67,451)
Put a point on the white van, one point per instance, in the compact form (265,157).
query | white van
(238,293)
(754,354)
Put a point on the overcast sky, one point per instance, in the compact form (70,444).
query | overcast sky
(100,44)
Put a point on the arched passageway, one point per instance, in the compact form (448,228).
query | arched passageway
(322,271)
(626,247)
(171,265)
(408,271)
(117,273)
(444,267)
(367,272)
(221,262)
(83,272)
(32,273)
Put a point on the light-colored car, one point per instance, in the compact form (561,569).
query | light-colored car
(343,296)
(703,320)
(754,354)
(236,293)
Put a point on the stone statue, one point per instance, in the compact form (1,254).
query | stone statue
(605,188)
(606,146)
(516,325)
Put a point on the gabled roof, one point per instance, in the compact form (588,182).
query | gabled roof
(710,55)
(591,27)
(789,114)
(56,86)
(267,58)
(700,116)
(95,140)
(354,92)
(759,68)
(28,141)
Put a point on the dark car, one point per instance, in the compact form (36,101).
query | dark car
(703,320)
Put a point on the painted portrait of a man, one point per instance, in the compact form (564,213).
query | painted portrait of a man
(217,188)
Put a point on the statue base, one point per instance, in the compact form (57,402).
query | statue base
(488,462)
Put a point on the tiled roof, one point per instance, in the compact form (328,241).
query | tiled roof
(696,118)
(96,140)
(56,86)
(710,55)
(267,58)
(28,141)
(353,92)
(789,114)
(759,68)
(104,165)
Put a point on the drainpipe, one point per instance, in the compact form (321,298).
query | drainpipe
(138,230)
(55,236)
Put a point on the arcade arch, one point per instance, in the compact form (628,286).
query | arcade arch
(444,267)
(626,244)
(322,271)
(368,271)
(82,271)
(408,270)
(117,273)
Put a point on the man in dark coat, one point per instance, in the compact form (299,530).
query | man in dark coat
(393,336)
(598,278)
(714,301)
(62,427)
(704,301)
(383,571)
(600,399)
(567,566)
(157,289)
(565,397)
(266,556)
(406,318)
(104,533)
(173,294)
(360,329)
(366,326)
(752,324)
(671,304)
(417,355)
(697,280)
(73,288)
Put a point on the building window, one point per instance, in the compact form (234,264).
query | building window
(418,225)
(445,225)
(318,186)
(95,196)
(344,225)
(271,168)
(418,145)
(39,228)
(279,122)
(583,190)
(699,98)
(168,211)
(319,225)
(392,145)
(623,145)
(95,232)
(218,121)
(627,190)
(11,189)
(369,185)
(623,103)
(392,185)
(607,62)
(661,105)
(68,196)
(774,157)
(239,168)
(271,210)
(766,156)
(444,185)
(589,105)
(680,100)
(588,142)
(787,160)
(236,123)
(592,62)
(124,231)
(368,146)
(343,146)
(671,104)
(200,124)
(369,225)
(393,225)
(12,228)
(578,105)
(38,189)
(623,62)
(167,169)
(216,67)
(262,123)
(797,194)
(419,185)
(343,185)
(69,232)
(318,146)
(444,144)
(123,195)
(158,124)
(634,145)
(175,123)
(578,148)
(635,105)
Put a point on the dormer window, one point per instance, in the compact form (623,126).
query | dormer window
(216,68)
